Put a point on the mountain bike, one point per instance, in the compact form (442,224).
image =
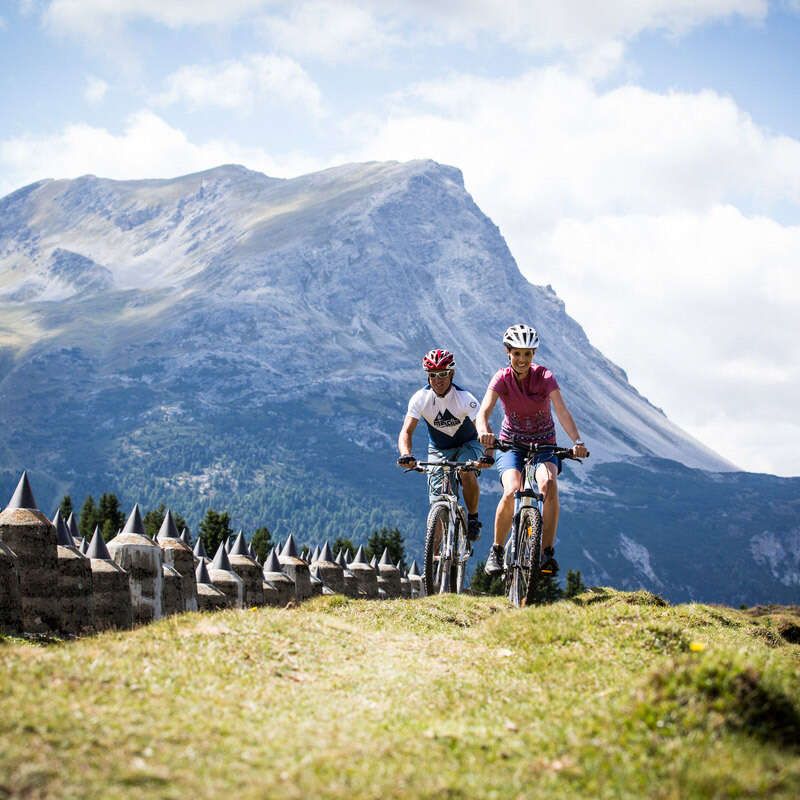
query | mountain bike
(447,548)
(524,544)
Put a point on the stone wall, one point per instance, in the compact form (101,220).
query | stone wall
(48,586)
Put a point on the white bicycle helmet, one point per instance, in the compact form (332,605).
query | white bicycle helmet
(522,337)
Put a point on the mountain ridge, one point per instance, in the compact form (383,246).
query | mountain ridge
(259,340)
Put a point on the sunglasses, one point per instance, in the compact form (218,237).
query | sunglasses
(443,374)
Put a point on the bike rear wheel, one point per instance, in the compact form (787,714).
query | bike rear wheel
(435,538)
(524,571)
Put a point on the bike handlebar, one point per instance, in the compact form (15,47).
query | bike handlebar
(533,449)
(462,466)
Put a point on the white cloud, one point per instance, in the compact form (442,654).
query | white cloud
(628,203)
(3,24)
(146,147)
(702,308)
(572,24)
(94,17)
(338,31)
(243,84)
(330,31)
(95,90)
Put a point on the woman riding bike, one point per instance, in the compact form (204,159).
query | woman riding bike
(527,392)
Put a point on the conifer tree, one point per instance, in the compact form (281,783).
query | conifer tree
(109,516)
(386,538)
(481,583)
(341,543)
(262,543)
(575,584)
(87,518)
(214,528)
(66,506)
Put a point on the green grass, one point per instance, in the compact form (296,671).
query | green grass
(615,695)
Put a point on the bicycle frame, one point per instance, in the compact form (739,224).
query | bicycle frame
(524,498)
(450,553)
(518,573)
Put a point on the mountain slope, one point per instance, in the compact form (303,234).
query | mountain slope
(248,343)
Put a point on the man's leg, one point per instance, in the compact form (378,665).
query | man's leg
(471,491)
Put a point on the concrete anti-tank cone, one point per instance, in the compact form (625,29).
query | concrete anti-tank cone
(32,539)
(74,582)
(225,579)
(172,591)
(247,569)
(405,584)
(415,579)
(72,527)
(296,569)
(366,576)
(350,580)
(199,550)
(10,600)
(111,595)
(141,557)
(23,495)
(209,598)
(178,555)
(317,586)
(388,576)
(278,586)
(331,573)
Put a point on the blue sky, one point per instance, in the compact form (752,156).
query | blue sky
(643,158)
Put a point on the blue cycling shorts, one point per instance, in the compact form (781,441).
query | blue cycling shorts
(469,451)
(515,459)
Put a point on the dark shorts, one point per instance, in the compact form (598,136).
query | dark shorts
(515,459)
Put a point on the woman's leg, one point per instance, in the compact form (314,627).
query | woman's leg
(512,482)
(547,480)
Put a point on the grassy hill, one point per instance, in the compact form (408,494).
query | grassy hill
(613,695)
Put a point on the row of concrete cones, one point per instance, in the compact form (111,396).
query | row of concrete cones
(54,582)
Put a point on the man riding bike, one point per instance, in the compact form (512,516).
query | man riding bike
(449,412)
(527,392)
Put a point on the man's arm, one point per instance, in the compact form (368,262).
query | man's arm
(406,433)
(567,422)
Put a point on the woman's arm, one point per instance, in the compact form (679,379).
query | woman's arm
(567,422)
(482,420)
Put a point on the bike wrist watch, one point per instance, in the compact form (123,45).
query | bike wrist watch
(579,442)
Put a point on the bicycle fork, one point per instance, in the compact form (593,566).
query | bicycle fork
(448,553)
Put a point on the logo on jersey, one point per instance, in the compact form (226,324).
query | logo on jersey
(444,419)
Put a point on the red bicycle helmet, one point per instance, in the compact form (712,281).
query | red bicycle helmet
(435,360)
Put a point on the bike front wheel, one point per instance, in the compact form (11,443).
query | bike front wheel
(524,577)
(462,553)
(435,538)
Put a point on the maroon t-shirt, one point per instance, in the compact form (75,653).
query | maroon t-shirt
(527,407)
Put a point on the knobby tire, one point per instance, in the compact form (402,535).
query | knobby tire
(459,568)
(531,528)
(435,535)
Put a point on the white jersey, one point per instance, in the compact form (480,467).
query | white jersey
(450,419)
